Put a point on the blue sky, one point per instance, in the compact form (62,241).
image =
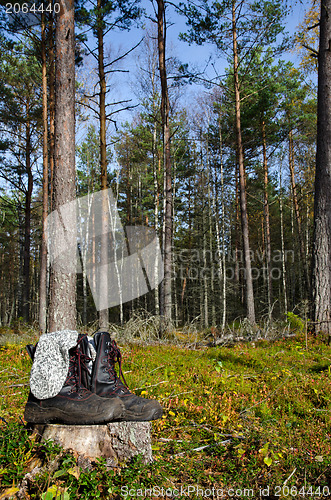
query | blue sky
(121,41)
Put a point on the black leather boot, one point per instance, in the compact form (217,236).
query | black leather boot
(106,383)
(74,404)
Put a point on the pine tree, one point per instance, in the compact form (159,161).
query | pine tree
(62,308)
(322,208)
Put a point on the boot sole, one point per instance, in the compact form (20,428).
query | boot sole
(144,417)
(35,414)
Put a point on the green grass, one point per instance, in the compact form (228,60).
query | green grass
(249,416)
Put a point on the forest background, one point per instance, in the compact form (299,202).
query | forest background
(208,279)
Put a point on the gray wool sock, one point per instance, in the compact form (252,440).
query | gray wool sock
(51,363)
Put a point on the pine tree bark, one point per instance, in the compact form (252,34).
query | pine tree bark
(43,250)
(237,231)
(51,81)
(243,202)
(322,206)
(167,252)
(62,310)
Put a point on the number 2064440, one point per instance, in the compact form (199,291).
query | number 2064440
(34,8)
(293,491)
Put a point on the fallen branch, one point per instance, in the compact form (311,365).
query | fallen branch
(17,385)
(200,448)
(162,366)
(289,477)
(154,385)
(175,395)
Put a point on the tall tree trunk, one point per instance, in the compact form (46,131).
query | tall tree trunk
(282,239)
(174,287)
(51,81)
(184,272)
(128,184)
(156,212)
(211,205)
(62,310)
(20,284)
(27,221)
(167,253)
(43,250)
(267,217)
(297,210)
(103,314)
(293,270)
(205,309)
(237,231)
(322,207)
(221,247)
(243,202)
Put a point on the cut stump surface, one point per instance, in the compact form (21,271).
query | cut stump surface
(116,441)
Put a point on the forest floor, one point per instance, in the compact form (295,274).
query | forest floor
(247,421)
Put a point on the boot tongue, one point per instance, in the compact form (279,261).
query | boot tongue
(77,362)
(97,338)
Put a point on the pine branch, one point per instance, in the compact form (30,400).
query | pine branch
(311,49)
(314,26)
(117,71)
(91,108)
(13,183)
(119,110)
(118,102)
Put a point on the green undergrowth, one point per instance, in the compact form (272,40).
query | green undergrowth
(250,420)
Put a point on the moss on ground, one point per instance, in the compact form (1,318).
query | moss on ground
(252,416)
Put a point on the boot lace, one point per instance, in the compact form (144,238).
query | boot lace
(77,362)
(114,356)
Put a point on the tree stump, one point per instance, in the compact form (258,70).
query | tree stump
(116,441)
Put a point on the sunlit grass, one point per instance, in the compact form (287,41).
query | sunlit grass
(243,416)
